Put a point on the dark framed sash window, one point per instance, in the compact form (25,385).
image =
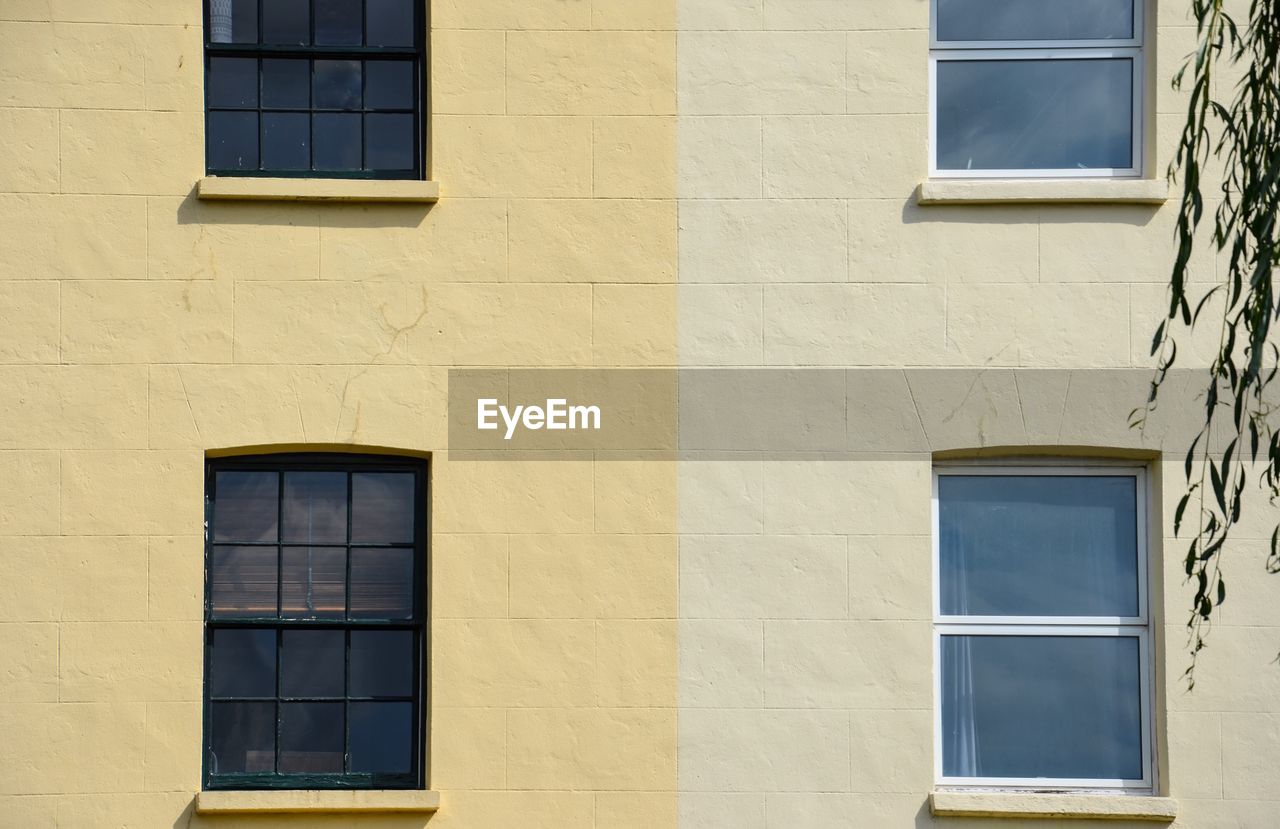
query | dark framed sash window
(315,88)
(315,631)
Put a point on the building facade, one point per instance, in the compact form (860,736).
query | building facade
(774,626)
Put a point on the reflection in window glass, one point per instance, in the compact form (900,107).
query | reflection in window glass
(1048,545)
(313,582)
(381,737)
(994,20)
(338,23)
(243,582)
(337,141)
(233,140)
(312,737)
(337,84)
(243,737)
(233,83)
(250,502)
(381,663)
(390,84)
(388,142)
(382,508)
(1035,114)
(1041,706)
(286,84)
(390,22)
(311,663)
(242,662)
(244,21)
(286,22)
(315,507)
(381,583)
(286,141)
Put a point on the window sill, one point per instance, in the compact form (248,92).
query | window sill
(316,801)
(1082,806)
(1031,191)
(249,188)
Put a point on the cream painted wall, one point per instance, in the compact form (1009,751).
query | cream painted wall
(806,663)
(143,328)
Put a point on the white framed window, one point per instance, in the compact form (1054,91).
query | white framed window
(1042,638)
(1036,89)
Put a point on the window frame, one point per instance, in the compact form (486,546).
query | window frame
(1138,627)
(418,52)
(1133,49)
(415,779)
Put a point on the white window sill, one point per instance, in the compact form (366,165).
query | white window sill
(316,801)
(1083,806)
(1031,191)
(250,188)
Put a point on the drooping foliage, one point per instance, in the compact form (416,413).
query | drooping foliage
(1232,126)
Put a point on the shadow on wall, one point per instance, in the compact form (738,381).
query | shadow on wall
(926,820)
(190,820)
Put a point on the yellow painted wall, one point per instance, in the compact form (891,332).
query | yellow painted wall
(143,328)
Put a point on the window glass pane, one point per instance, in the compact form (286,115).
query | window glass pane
(337,84)
(381,583)
(390,22)
(1035,114)
(315,582)
(286,84)
(1035,20)
(338,23)
(381,663)
(337,141)
(312,663)
(390,84)
(388,142)
(233,83)
(243,582)
(233,140)
(246,506)
(382,507)
(233,21)
(1024,545)
(382,737)
(286,22)
(242,663)
(242,738)
(286,141)
(1041,706)
(311,737)
(315,507)
(244,24)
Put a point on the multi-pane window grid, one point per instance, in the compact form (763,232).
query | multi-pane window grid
(326,88)
(1023,88)
(314,627)
(1058,622)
